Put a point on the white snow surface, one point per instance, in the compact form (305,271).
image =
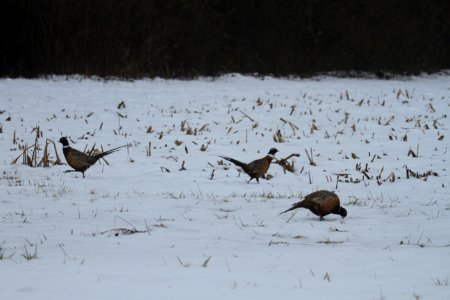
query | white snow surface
(133,230)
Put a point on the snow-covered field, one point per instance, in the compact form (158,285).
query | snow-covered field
(141,228)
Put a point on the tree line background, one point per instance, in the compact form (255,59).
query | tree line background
(187,38)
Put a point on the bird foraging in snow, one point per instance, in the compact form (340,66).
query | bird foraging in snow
(321,203)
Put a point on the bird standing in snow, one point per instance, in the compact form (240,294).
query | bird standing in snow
(257,168)
(80,161)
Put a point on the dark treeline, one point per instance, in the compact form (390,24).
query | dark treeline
(185,38)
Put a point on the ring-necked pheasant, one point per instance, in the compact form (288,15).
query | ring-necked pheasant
(80,161)
(321,203)
(257,168)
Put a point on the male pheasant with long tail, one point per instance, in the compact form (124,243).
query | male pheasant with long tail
(80,161)
(257,168)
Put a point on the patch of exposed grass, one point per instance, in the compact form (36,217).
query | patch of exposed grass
(29,255)
(441,281)
(327,241)
(13,179)
(264,195)
(51,190)
(3,254)
(355,201)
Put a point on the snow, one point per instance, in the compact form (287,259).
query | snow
(132,230)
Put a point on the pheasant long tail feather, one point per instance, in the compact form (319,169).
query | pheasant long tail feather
(234,161)
(111,151)
(294,206)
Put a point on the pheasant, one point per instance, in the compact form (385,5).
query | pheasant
(257,168)
(80,161)
(321,203)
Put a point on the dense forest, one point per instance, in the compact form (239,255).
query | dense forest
(182,38)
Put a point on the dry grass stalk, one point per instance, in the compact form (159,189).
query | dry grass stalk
(184,127)
(278,243)
(278,137)
(338,175)
(310,157)
(45,159)
(35,146)
(205,263)
(121,105)
(24,156)
(292,125)
(285,164)
(346,115)
(247,116)
(354,155)
(149,149)
(417,175)
(293,107)
(204,128)
(328,242)
(313,128)
(33,160)
(412,153)
(93,151)
(203,147)
(172,157)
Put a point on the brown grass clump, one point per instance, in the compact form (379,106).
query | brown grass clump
(285,164)
(30,154)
